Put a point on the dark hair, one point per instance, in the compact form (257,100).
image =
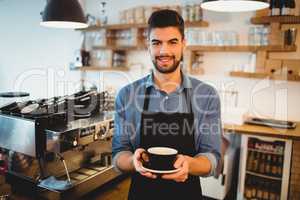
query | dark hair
(165,18)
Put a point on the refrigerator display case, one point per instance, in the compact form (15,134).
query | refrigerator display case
(264,168)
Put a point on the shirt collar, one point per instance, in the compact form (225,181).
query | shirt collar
(186,82)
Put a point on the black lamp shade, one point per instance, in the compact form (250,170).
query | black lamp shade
(63,14)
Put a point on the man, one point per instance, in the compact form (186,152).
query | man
(165,97)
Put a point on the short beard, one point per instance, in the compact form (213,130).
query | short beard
(164,70)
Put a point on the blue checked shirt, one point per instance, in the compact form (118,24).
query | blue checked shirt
(205,105)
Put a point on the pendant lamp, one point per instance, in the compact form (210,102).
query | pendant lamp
(234,5)
(63,14)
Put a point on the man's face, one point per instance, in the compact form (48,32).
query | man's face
(166,48)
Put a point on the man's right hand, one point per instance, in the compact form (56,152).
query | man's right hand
(137,163)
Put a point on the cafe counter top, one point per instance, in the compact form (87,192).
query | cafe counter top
(264,131)
(116,189)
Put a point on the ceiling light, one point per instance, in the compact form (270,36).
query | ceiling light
(234,5)
(63,14)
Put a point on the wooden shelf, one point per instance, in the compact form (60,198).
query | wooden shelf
(265,75)
(128,26)
(265,152)
(120,48)
(123,26)
(95,68)
(242,48)
(196,24)
(276,19)
(263,176)
(212,48)
(113,27)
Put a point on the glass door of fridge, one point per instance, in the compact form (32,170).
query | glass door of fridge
(264,168)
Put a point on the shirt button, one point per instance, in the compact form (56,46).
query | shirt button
(166,97)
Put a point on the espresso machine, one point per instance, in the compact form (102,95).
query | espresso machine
(51,142)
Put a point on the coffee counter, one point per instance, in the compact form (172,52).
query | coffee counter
(114,190)
(264,131)
(118,189)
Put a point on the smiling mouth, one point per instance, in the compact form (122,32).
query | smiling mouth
(165,59)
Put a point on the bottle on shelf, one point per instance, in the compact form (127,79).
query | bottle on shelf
(256,162)
(254,189)
(278,191)
(262,162)
(198,12)
(292,5)
(268,165)
(103,16)
(257,144)
(279,165)
(272,193)
(84,53)
(85,57)
(265,195)
(259,193)
(271,7)
(248,188)
(285,8)
(250,160)
(275,8)
(274,165)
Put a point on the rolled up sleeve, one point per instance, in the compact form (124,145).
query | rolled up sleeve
(213,161)
(121,137)
(210,131)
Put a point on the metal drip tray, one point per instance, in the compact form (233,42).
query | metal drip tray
(84,180)
(79,177)
(87,172)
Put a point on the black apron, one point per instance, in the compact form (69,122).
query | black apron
(143,188)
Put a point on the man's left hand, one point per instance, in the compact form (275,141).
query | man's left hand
(182,174)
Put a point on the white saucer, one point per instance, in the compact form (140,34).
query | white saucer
(161,171)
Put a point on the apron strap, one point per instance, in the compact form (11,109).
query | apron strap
(147,99)
(188,95)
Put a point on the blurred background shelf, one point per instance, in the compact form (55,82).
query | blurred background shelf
(141,26)
(276,19)
(258,75)
(96,68)
(121,48)
(245,48)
